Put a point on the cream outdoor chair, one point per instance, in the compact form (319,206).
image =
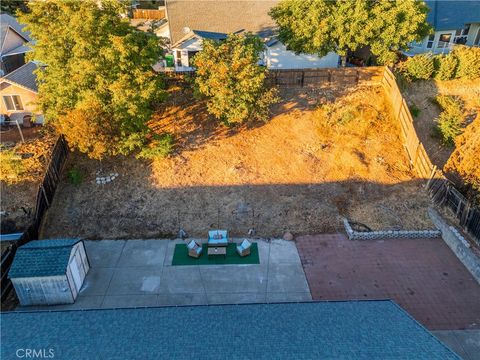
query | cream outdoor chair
(244,248)
(194,249)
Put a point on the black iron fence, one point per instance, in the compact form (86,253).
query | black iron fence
(443,193)
(45,193)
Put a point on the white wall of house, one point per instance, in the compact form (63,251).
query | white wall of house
(181,54)
(275,57)
(26,102)
(437,44)
(278,57)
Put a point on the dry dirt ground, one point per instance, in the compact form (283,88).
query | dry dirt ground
(422,95)
(324,153)
(18,199)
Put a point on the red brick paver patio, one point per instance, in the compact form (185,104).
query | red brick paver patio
(421,275)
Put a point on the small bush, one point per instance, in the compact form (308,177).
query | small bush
(75,176)
(468,62)
(447,67)
(161,146)
(414,110)
(11,167)
(451,121)
(420,67)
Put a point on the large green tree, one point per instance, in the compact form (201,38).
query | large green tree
(97,66)
(320,26)
(228,74)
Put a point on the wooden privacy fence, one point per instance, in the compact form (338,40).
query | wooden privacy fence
(323,77)
(45,193)
(149,14)
(440,188)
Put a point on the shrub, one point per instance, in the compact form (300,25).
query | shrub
(414,110)
(161,146)
(468,62)
(75,176)
(451,120)
(447,67)
(464,160)
(420,67)
(11,166)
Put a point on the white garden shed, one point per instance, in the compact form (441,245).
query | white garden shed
(48,272)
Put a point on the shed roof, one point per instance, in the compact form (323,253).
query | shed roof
(451,15)
(24,76)
(224,16)
(40,258)
(312,330)
(7,21)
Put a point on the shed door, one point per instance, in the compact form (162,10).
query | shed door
(77,269)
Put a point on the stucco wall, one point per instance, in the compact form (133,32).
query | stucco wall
(278,57)
(27,97)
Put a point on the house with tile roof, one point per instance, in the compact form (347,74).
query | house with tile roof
(308,330)
(453,22)
(190,22)
(48,272)
(18,82)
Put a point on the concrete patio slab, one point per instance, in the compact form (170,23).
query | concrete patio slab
(182,299)
(234,278)
(97,281)
(288,296)
(143,253)
(286,278)
(135,281)
(236,298)
(138,273)
(104,253)
(181,280)
(124,301)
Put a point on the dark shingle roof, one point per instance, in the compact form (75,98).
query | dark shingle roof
(451,15)
(42,258)
(24,76)
(8,21)
(315,330)
(224,16)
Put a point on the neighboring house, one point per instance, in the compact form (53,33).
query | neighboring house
(18,82)
(19,91)
(13,44)
(48,272)
(190,22)
(454,22)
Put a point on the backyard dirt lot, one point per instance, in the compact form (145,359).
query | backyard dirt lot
(325,152)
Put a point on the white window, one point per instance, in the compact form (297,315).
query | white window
(461,35)
(444,40)
(430,41)
(12,102)
(476,42)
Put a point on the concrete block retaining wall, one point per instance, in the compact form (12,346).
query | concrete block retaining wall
(457,243)
(388,234)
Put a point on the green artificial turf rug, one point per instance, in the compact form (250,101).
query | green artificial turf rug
(180,256)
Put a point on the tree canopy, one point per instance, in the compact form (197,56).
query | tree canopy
(229,75)
(98,85)
(321,26)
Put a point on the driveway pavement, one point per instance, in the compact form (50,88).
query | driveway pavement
(421,275)
(137,273)
(465,343)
